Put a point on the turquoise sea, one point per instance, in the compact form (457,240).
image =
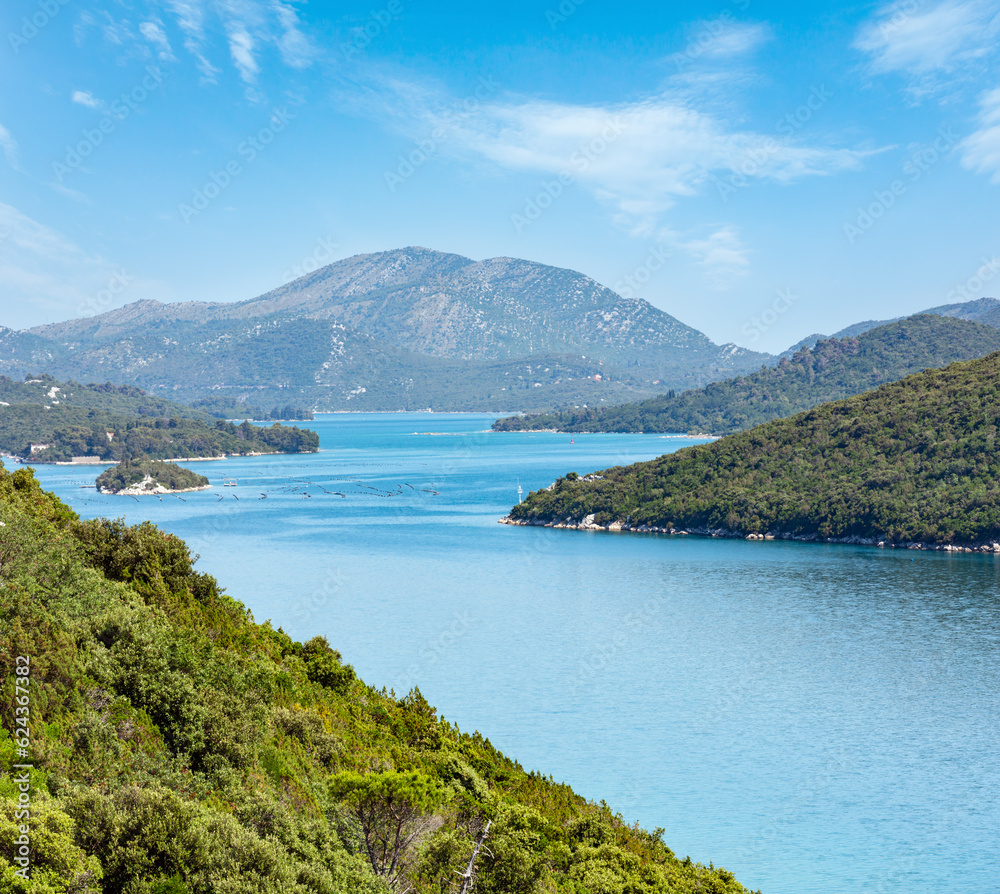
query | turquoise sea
(816,718)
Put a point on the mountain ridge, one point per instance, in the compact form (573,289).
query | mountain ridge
(831,369)
(978,310)
(371,332)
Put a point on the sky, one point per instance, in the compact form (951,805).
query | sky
(760,170)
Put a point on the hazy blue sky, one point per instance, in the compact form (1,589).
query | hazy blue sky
(834,161)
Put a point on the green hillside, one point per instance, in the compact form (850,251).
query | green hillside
(66,419)
(914,461)
(40,390)
(178,747)
(125,400)
(833,369)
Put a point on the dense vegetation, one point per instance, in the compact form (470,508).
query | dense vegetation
(131,472)
(181,748)
(916,460)
(117,422)
(121,400)
(224,408)
(833,369)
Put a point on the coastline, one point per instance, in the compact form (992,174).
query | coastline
(587,524)
(700,436)
(173,459)
(139,490)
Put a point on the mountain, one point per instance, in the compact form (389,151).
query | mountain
(808,342)
(404,329)
(172,745)
(915,461)
(979,310)
(832,369)
(982,310)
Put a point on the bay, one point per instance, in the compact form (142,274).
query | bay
(814,717)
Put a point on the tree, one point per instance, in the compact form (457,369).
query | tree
(393,808)
(323,666)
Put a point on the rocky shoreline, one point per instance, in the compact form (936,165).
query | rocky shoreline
(587,524)
(147,487)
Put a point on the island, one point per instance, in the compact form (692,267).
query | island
(149,477)
(914,463)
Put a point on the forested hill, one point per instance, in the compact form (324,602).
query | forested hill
(43,389)
(127,400)
(66,419)
(178,747)
(914,461)
(833,369)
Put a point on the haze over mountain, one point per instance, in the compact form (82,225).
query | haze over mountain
(979,310)
(403,329)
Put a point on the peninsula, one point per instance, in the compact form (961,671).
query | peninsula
(43,420)
(913,463)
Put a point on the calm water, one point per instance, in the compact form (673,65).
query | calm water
(816,718)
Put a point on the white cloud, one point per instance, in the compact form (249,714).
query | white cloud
(640,158)
(154,33)
(933,45)
(981,150)
(722,254)
(296,49)
(249,26)
(723,37)
(83,98)
(191,20)
(117,32)
(738,40)
(241,47)
(9,146)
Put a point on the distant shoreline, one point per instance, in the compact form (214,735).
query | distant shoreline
(180,459)
(701,436)
(497,413)
(988,548)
